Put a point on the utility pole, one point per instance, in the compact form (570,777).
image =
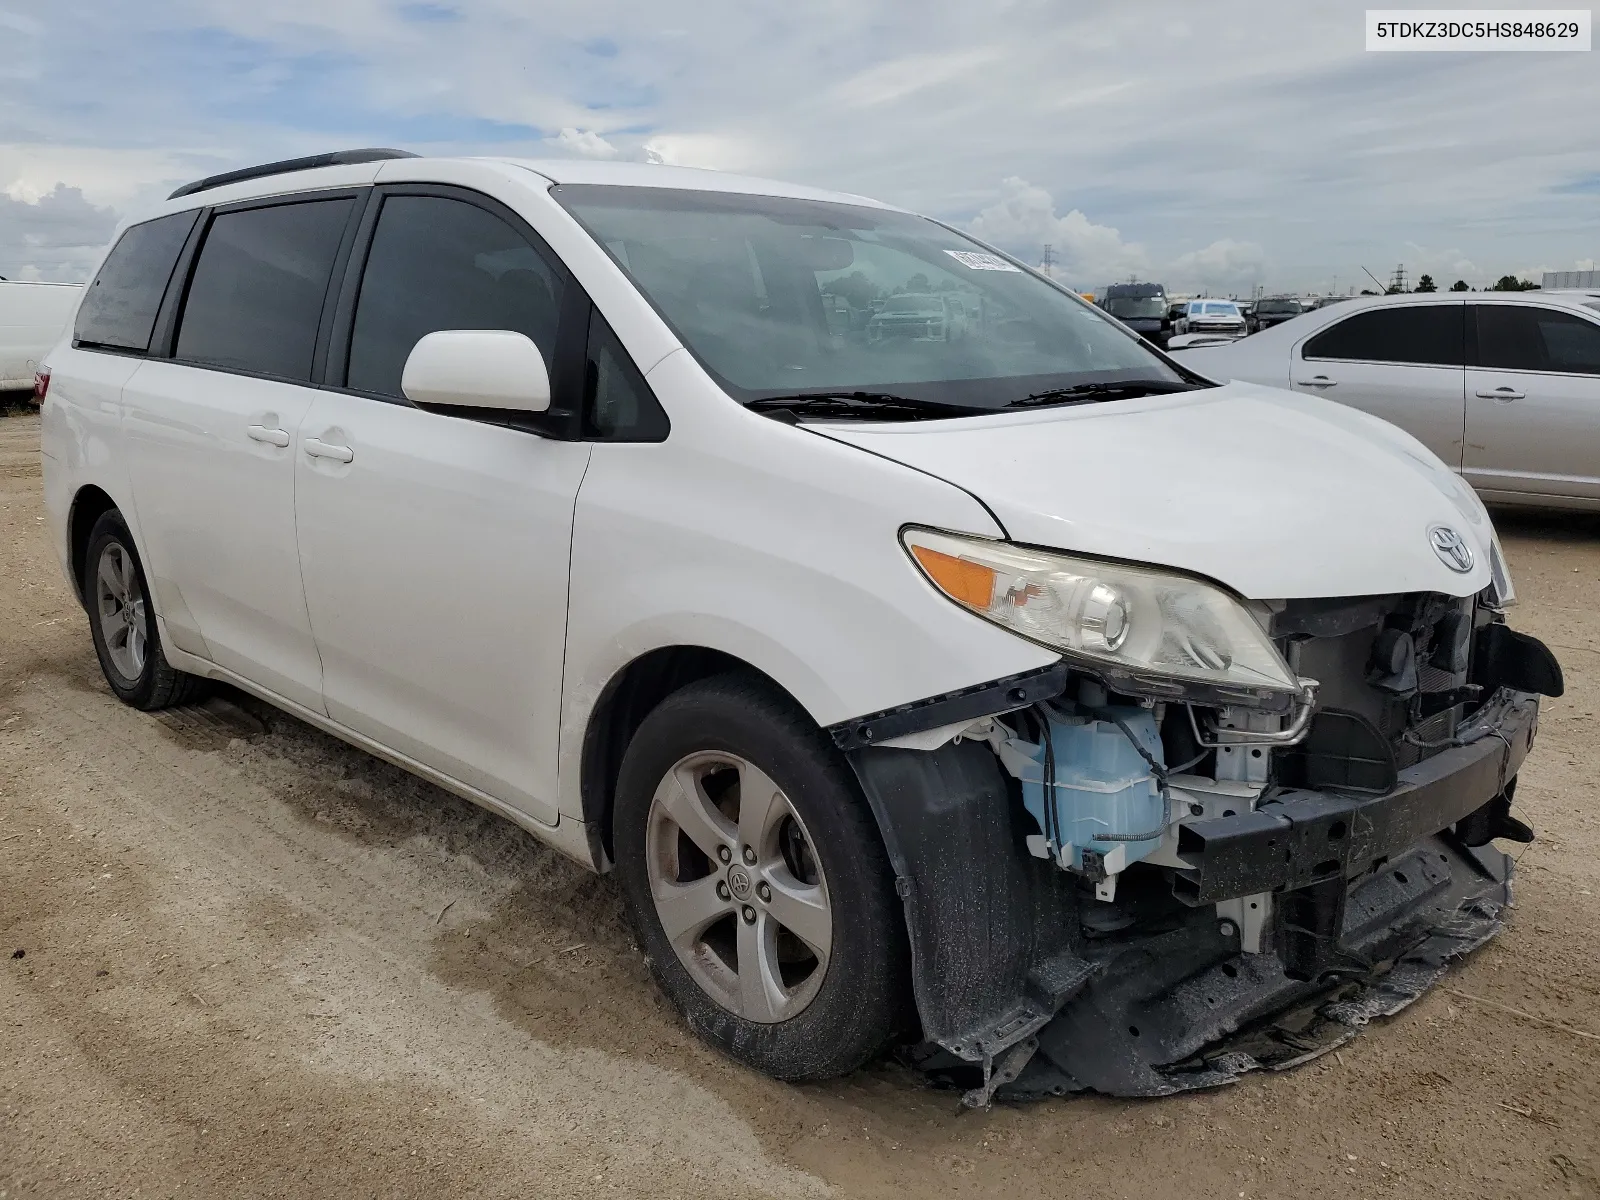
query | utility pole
(1398,283)
(1047,260)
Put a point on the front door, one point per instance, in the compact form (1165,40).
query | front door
(435,547)
(1533,402)
(1403,363)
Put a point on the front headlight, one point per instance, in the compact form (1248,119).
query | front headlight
(1137,620)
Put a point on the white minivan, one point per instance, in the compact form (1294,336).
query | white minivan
(1024,700)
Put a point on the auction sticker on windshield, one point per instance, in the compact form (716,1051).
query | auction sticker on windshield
(981,262)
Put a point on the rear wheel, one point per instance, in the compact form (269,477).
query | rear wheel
(757,882)
(123,623)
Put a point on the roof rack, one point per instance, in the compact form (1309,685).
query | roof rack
(334,158)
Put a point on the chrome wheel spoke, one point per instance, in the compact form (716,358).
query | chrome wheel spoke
(687,804)
(686,909)
(761,807)
(762,996)
(802,909)
(111,577)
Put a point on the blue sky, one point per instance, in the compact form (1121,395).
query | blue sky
(1218,145)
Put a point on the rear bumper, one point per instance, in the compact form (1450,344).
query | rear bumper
(1302,838)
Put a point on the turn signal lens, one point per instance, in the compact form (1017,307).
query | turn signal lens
(961,579)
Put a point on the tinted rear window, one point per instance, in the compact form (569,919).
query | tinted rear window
(1519,338)
(1429,334)
(256,296)
(119,310)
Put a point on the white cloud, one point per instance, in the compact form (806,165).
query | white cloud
(1023,220)
(585,143)
(55,237)
(1224,265)
(1158,131)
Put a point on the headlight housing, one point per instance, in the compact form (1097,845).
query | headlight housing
(1504,591)
(1167,633)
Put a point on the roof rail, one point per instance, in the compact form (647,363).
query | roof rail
(332,159)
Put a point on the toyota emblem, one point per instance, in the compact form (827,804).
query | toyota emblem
(1451,548)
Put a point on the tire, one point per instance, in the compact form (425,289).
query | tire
(800,1013)
(123,623)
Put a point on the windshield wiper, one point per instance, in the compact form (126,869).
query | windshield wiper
(1083,393)
(852,404)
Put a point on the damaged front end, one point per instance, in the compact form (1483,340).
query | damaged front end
(1114,888)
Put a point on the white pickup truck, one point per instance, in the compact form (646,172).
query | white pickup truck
(32,316)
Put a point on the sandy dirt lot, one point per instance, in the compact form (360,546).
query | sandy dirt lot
(238,958)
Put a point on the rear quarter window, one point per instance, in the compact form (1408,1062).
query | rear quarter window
(119,309)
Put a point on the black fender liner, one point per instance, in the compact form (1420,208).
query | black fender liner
(992,929)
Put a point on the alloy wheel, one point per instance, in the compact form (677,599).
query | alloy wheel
(738,887)
(120,608)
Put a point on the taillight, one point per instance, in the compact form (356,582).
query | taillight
(41,386)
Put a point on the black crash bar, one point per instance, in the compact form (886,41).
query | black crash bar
(1303,837)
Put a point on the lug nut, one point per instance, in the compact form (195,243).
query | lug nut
(749,856)
(749,915)
(764,892)
(724,853)
(722,890)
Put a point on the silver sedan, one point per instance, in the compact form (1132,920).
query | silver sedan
(1503,387)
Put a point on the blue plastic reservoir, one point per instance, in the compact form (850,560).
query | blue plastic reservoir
(1102,786)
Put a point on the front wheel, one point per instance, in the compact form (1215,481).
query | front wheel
(757,882)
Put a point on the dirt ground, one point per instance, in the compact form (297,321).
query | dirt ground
(238,958)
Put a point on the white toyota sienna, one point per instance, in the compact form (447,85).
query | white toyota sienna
(993,688)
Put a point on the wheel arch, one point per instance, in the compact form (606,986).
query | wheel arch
(627,698)
(89,503)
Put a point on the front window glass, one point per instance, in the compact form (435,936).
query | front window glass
(1278,308)
(778,296)
(1425,334)
(438,263)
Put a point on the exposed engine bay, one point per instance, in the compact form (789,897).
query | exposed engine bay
(1110,888)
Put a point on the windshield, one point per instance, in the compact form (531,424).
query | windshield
(1290,307)
(776,296)
(1128,307)
(1214,308)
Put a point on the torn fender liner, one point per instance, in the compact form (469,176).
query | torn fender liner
(992,929)
(1184,1009)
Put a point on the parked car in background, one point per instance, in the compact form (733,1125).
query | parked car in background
(32,317)
(1275,310)
(1213,316)
(1504,387)
(1142,307)
(917,317)
(884,670)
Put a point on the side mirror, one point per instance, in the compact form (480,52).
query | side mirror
(477,368)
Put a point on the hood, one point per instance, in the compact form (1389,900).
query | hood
(1275,494)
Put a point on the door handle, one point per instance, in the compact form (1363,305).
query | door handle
(1502,393)
(272,437)
(320,449)
(1317,381)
